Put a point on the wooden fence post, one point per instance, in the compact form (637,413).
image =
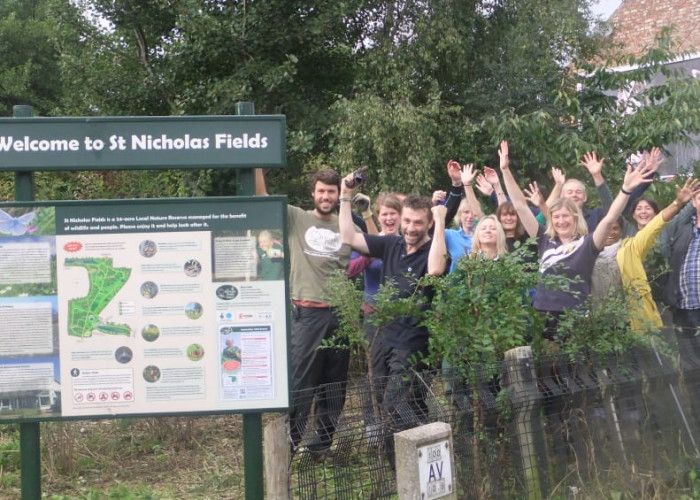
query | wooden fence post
(277,458)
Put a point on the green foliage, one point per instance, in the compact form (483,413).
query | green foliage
(9,448)
(482,310)
(120,492)
(585,118)
(599,328)
(694,485)
(399,86)
(29,64)
(115,69)
(392,135)
(346,298)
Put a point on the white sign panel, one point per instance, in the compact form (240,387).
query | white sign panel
(435,470)
(142,307)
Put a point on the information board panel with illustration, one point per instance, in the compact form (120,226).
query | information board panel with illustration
(142,307)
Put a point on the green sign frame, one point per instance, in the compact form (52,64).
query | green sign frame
(129,143)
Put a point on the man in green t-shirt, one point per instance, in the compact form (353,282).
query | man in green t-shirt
(316,253)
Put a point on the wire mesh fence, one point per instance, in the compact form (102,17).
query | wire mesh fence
(526,427)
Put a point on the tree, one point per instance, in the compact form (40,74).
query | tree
(402,86)
(589,118)
(507,70)
(29,64)
(435,71)
(191,57)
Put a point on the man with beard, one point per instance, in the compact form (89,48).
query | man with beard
(316,253)
(399,346)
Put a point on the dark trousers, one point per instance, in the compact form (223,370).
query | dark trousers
(400,387)
(687,322)
(369,412)
(319,376)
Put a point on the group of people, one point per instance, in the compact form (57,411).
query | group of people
(597,249)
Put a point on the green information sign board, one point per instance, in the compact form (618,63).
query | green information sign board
(113,143)
(142,307)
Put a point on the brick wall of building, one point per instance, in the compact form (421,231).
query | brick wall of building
(636,23)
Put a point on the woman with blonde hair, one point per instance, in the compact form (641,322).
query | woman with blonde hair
(489,239)
(579,227)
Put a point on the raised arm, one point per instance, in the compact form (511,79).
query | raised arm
(437,256)
(559,180)
(683,195)
(655,159)
(454,195)
(594,167)
(260,188)
(487,190)
(468,174)
(633,178)
(348,235)
(516,195)
(669,232)
(534,196)
(363,204)
(491,177)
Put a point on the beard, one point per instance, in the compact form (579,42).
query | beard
(324,211)
(414,237)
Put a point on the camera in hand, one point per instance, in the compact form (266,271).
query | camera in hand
(358,177)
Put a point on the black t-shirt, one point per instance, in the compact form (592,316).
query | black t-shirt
(404,270)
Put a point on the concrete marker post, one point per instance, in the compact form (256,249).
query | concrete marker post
(425,463)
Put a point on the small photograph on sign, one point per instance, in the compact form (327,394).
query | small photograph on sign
(150,332)
(16,225)
(248,255)
(149,290)
(123,355)
(151,374)
(193,268)
(29,388)
(194,310)
(148,248)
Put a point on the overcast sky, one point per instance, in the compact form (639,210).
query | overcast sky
(605,8)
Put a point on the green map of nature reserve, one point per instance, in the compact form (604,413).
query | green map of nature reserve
(105,282)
